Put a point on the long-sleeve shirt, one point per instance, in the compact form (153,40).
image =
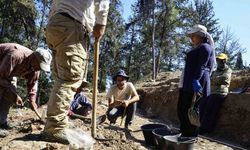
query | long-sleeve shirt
(15,62)
(221,80)
(80,100)
(88,12)
(198,66)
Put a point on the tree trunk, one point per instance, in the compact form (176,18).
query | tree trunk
(131,48)
(153,41)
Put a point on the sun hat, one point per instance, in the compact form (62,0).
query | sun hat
(222,56)
(44,57)
(202,31)
(121,73)
(199,30)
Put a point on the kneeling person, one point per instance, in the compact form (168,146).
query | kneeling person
(122,98)
(81,105)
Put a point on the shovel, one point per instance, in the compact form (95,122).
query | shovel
(193,115)
(87,120)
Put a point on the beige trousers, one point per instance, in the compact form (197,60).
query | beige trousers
(67,40)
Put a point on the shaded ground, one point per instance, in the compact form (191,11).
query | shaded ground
(25,136)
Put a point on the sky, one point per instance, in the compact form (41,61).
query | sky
(233,14)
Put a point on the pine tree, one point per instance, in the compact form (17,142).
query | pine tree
(229,45)
(239,62)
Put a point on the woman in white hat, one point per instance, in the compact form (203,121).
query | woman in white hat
(196,80)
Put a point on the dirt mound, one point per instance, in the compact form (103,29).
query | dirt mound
(160,98)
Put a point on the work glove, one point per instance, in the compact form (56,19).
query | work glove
(197,86)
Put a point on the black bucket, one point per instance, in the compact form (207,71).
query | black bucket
(172,142)
(147,132)
(160,133)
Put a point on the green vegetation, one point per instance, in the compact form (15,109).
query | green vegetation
(153,25)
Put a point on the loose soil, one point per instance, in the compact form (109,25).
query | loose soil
(26,134)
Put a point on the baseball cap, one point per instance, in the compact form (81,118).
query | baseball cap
(198,29)
(44,57)
(222,56)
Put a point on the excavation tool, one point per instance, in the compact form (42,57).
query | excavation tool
(123,115)
(95,86)
(87,120)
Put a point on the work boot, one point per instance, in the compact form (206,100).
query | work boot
(128,126)
(3,133)
(59,137)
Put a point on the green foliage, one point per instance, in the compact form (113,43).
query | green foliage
(44,88)
(239,62)
(229,45)
(125,45)
(17,22)
(201,12)
(110,46)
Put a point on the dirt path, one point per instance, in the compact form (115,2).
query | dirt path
(25,136)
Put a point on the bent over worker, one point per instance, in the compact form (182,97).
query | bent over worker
(122,98)
(19,61)
(67,35)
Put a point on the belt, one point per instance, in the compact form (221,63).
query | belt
(68,16)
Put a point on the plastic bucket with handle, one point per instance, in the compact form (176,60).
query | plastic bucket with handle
(160,133)
(174,142)
(147,132)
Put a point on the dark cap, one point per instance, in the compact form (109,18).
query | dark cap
(121,73)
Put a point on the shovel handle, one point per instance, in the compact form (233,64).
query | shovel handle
(38,115)
(123,115)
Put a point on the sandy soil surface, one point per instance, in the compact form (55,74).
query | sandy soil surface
(26,134)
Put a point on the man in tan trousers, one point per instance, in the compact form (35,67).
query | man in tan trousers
(67,34)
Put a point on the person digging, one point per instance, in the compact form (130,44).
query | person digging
(19,61)
(122,98)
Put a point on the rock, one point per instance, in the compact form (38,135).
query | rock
(123,137)
(4,133)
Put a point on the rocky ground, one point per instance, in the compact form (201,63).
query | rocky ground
(163,92)
(25,135)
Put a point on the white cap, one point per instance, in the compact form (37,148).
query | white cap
(44,58)
(198,29)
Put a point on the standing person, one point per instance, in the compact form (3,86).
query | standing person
(19,61)
(220,83)
(121,97)
(196,77)
(67,35)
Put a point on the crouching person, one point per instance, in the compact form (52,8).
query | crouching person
(122,98)
(81,105)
